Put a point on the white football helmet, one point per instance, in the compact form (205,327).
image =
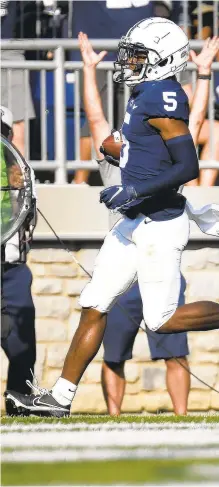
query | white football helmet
(6,122)
(153,49)
(6,116)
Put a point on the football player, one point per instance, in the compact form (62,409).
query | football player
(122,327)
(158,156)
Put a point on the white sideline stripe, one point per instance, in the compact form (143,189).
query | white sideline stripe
(184,484)
(107,426)
(128,438)
(104,454)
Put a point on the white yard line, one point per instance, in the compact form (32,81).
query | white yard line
(101,438)
(105,454)
(107,426)
(59,442)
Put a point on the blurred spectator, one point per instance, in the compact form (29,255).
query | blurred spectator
(181,16)
(108,20)
(206,9)
(12,87)
(207,177)
(50,17)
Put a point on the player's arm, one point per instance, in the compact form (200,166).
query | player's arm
(200,99)
(184,168)
(99,126)
(179,143)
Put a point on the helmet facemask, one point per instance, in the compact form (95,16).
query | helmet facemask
(133,62)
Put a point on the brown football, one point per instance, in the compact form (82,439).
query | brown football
(112,144)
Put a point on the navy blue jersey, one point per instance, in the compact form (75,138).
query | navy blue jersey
(144,153)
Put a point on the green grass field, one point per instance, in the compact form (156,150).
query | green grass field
(110,472)
(102,419)
(100,450)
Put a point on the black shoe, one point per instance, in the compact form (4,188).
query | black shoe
(11,411)
(42,404)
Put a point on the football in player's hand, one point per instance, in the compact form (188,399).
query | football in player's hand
(112,144)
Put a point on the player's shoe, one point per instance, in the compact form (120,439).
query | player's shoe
(42,404)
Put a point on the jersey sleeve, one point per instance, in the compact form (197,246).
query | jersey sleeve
(166,101)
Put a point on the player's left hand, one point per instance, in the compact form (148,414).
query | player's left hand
(115,197)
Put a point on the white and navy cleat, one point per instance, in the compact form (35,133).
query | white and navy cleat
(42,404)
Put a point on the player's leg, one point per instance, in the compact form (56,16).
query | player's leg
(122,326)
(159,249)
(114,272)
(84,346)
(199,316)
(167,347)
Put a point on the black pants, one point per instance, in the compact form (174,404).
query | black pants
(20,345)
(6,322)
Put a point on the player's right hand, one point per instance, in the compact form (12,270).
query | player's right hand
(89,56)
(116,196)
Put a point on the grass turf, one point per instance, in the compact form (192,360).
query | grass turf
(105,472)
(101,419)
(111,471)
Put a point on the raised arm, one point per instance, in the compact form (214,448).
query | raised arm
(98,124)
(200,99)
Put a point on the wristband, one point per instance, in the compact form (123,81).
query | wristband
(204,76)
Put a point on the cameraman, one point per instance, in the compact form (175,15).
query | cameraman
(18,312)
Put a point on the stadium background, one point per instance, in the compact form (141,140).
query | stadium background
(77,217)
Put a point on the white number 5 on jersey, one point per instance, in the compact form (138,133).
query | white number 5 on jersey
(124,152)
(169,98)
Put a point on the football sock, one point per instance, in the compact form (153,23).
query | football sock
(64,391)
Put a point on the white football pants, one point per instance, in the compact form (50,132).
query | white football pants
(145,250)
